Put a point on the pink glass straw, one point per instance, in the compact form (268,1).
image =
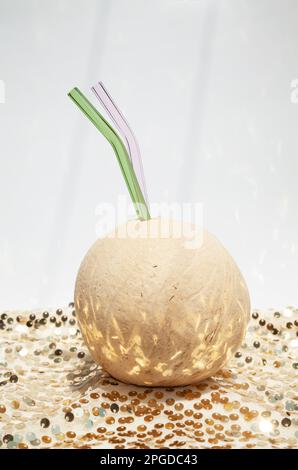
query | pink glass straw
(123,127)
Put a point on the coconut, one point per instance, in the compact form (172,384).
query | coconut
(161,303)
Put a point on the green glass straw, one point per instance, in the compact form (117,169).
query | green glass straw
(121,153)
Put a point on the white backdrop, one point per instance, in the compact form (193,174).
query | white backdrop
(206,87)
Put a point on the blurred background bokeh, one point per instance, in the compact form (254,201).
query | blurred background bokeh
(206,86)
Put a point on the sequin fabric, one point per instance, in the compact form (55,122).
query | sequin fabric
(52,394)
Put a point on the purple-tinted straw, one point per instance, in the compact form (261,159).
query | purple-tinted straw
(123,127)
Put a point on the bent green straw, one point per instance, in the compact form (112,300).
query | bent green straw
(121,153)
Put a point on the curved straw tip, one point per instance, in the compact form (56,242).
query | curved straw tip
(73,90)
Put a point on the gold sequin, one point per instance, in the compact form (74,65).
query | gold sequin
(110,420)
(101,430)
(95,411)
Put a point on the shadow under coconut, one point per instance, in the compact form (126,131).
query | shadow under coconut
(90,377)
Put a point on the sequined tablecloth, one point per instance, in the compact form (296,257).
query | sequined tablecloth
(53,395)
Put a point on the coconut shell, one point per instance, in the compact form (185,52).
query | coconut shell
(161,303)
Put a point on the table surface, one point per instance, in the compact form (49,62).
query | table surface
(54,396)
